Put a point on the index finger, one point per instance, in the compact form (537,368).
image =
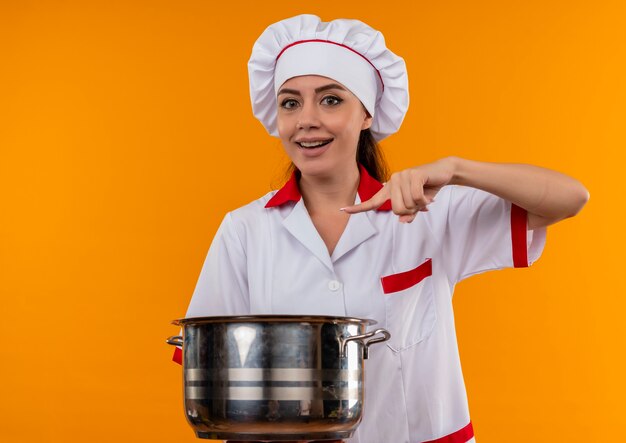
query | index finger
(373,203)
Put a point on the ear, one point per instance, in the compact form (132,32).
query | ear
(367,121)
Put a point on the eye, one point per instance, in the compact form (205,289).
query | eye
(331,100)
(288,103)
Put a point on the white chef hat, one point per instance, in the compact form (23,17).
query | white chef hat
(348,51)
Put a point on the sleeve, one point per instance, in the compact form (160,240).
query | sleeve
(484,232)
(222,288)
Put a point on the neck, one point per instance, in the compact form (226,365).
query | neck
(329,193)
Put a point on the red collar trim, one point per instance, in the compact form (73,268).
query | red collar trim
(289,192)
(368,186)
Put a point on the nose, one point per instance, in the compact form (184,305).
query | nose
(308,116)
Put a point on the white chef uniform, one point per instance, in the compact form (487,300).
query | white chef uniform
(268,258)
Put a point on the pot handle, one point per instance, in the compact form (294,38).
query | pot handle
(343,341)
(175,340)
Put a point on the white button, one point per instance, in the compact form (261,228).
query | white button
(334,285)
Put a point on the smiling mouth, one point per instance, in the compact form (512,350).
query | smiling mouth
(315,144)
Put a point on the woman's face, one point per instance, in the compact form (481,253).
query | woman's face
(319,122)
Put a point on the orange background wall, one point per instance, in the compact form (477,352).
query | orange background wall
(126,134)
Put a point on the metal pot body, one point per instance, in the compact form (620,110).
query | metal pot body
(274,377)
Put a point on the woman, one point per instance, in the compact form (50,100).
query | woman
(335,241)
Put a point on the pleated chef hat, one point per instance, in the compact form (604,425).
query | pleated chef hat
(348,51)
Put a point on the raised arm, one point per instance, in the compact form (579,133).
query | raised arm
(548,196)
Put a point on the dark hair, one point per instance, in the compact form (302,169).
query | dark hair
(368,154)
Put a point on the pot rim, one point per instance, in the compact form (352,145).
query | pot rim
(273,318)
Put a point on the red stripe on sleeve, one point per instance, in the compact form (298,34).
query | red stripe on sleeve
(460,436)
(519,220)
(178,356)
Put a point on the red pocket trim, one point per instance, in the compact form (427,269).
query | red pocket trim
(178,356)
(463,435)
(404,280)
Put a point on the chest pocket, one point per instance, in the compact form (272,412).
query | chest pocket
(410,305)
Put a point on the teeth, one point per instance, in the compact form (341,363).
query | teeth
(312,144)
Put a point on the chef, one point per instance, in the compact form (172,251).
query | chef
(342,238)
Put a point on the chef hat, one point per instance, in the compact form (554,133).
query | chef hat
(348,51)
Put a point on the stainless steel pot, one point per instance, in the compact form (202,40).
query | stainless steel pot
(274,377)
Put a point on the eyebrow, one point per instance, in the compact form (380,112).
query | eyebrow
(317,90)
